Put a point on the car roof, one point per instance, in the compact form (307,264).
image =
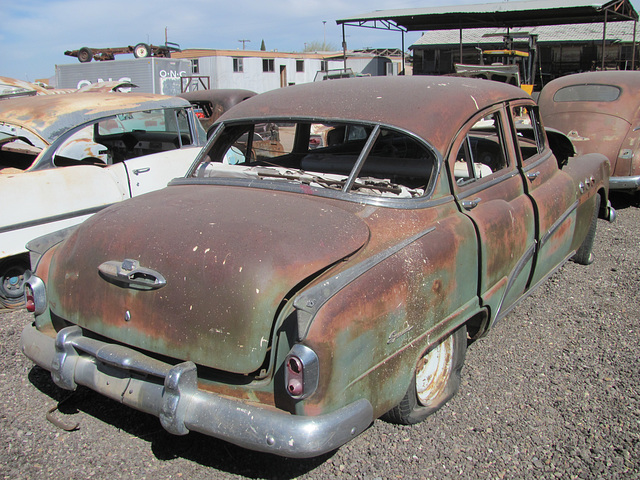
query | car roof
(229,96)
(433,107)
(626,106)
(51,115)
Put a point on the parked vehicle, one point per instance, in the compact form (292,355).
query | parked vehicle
(290,297)
(104,141)
(141,50)
(599,112)
(210,104)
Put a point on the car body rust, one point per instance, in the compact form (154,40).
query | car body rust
(306,285)
(599,112)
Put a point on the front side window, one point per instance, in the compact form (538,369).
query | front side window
(588,93)
(482,152)
(348,157)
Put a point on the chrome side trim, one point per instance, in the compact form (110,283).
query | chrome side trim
(53,218)
(311,300)
(170,393)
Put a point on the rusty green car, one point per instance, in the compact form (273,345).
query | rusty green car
(284,295)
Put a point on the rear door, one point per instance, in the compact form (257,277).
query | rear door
(489,190)
(552,191)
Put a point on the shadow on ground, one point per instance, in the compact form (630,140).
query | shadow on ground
(207,451)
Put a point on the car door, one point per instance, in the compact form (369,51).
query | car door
(551,190)
(489,190)
(152,172)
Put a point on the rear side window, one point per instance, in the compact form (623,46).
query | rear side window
(349,157)
(588,93)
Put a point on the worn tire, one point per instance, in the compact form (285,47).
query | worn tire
(141,50)
(584,255)
(427,393)
(85,55)
(13,272)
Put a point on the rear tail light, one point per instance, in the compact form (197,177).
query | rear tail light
(301,372)
(28,299)
(35,295)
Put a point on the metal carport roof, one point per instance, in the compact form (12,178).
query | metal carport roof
(530,13)
(503,14)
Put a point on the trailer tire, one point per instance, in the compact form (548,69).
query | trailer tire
(141,50)
(85,55)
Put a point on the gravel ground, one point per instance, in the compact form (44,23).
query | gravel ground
(552,392)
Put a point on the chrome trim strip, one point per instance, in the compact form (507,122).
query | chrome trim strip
(556,225)
(310,301)
(54,218)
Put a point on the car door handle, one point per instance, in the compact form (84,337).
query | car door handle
(129,273)
(533,175)
(138,171)
(471,204)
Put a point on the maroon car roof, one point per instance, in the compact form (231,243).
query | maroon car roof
(627,106)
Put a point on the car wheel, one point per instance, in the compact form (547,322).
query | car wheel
(13,273)
(85,55)
(141,50)
(584,255)
(436,380)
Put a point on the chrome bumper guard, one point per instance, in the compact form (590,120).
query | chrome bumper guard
(171,393)
(624,183)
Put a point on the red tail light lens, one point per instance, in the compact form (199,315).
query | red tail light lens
(28,297)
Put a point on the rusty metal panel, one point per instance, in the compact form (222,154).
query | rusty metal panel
(52,115)
(608,126)
(410,103)
(227,259)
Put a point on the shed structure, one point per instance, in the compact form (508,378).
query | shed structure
(504,15)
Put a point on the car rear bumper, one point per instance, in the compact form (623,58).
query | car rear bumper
(171,393)
(625,183)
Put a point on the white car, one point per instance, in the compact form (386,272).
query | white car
(65,157)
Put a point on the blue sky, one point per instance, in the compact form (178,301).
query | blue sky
(35,33)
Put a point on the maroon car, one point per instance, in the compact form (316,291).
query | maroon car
(599,112)
(283,295)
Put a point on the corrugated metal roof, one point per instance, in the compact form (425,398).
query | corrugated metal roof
(616,32)
(506,14)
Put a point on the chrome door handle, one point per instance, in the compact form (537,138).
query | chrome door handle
(471,204)
(138,171)
(533,175)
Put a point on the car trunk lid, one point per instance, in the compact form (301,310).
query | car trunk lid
(229,256)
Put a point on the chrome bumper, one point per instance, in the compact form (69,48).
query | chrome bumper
(171,393)
(624,183)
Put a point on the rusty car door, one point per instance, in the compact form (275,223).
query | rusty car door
(489,190)
(551,189)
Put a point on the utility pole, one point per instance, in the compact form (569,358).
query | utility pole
(243,42)
(324,32)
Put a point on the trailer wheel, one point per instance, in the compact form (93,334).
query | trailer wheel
(85,55)
(141,50)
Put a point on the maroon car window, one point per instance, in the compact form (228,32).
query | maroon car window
(588,93)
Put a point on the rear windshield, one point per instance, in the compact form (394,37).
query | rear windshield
(348,157)
(588,93)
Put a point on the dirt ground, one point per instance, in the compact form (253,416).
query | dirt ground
(552,392)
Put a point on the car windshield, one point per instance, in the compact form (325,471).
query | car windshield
(348,157)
